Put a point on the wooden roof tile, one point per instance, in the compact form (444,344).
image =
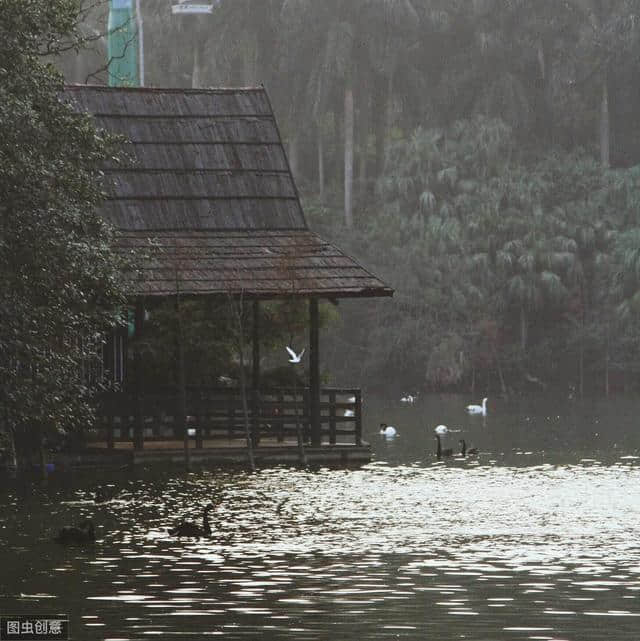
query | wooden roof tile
(208,198)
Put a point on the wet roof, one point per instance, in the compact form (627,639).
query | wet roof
(209,183)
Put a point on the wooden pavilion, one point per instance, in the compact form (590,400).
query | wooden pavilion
(211,187)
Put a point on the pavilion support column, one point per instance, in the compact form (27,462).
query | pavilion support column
(180,419)
(138,425)
(255,378)
(314,373)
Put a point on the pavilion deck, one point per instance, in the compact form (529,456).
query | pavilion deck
(148,428)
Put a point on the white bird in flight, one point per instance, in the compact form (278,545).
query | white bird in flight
(295,358)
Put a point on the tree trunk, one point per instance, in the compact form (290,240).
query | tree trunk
(13,453)
(523,329)
(320,165)
(545,119)
(389,102)
(363,128)
(581,369)
(379,124)
(293,156)
(605,126)
(196,74)
(606,363)
(348,156)
(473,381)
(503,386)
(42,455)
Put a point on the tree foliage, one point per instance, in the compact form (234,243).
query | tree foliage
(61,285)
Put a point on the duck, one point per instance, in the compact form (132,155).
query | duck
(388,431)
(441,429)
(188,528)
(71,534)
(440,453)
(464,452)
(478,409)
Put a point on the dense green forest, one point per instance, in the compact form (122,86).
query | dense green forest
(481,156)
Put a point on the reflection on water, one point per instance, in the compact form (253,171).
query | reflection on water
(512,546)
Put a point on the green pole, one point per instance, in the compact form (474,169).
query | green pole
(123,44)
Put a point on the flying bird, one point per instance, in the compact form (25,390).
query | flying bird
(295,358)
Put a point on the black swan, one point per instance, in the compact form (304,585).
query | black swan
(472,451)
(440,452)
(101,496)
(188,528)
(71,534)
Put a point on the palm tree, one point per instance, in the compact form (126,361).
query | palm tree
(608,32)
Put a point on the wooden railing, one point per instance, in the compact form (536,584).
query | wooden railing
(217,413)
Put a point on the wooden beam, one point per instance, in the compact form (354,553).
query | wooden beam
(255,377)
(138,427)
(314,372)
(255,381)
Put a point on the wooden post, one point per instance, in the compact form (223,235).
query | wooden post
(110,430)
(109,359)
(280,412)
(199,418)
(358,412)
(314,373)
(306,413)
(138,425)
(332,418)
(231,413)
(255,378)
(181,409)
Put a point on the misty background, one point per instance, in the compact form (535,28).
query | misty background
(480,156)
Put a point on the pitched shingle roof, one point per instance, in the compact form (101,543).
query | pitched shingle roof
(262,264)
(210,183)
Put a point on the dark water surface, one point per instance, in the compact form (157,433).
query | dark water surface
(539,538)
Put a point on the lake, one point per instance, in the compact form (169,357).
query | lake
(536,538)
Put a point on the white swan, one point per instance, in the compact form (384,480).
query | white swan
(388,431)
(478,409)
(295,358)
(441,430)
(408,399)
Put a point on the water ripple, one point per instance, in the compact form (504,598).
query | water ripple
(415,551)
